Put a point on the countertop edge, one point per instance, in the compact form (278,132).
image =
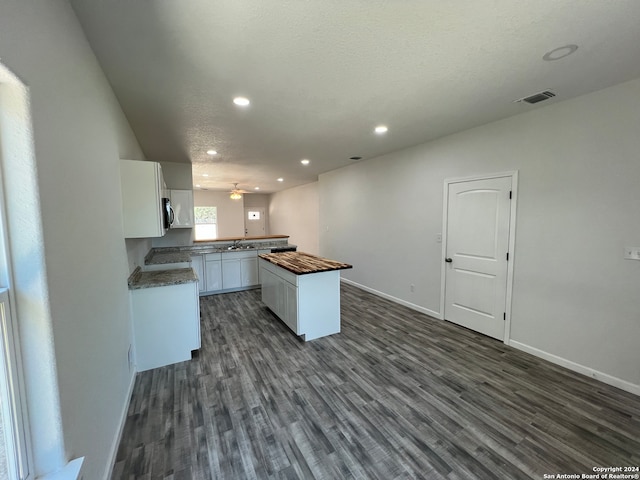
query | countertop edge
(161,278)
(342,266)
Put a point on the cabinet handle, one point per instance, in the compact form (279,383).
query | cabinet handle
(448,260)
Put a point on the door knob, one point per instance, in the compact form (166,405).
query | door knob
(448,260)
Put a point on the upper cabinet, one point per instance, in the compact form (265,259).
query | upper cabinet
(144,209)
(182,204)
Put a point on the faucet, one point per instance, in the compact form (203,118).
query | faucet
(236,243)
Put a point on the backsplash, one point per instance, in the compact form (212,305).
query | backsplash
(137,248)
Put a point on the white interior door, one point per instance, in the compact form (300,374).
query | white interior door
(477,246)
(254,225)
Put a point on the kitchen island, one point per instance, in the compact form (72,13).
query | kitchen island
(303,290)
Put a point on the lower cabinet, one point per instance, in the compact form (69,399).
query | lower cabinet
(291,307)
(280,295)
(197,263)
(249,272)
(231,276)
(166,324)
(220,272)
(213,274)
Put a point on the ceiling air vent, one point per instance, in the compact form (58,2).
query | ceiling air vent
(537,97)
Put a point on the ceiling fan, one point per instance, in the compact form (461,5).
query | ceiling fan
(236,194)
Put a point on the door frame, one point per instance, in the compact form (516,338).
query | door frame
(263,211)
(512,240)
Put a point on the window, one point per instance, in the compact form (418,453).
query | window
(13,461)
(253,215)
(206,223)
(15,444)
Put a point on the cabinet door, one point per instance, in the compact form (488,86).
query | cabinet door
(214,275)
(231,274)
(269,289)
(291,307)
(280,297)
(141,186)
(182,204)
(196,339)
(197,264)
(249,272)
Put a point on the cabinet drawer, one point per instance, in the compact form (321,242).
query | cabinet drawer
(286,275)
(212,257)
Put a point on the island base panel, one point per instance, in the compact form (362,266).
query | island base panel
(319,304)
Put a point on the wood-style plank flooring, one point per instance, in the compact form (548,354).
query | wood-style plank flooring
(396,395)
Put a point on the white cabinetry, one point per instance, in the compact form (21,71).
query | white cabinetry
(260,252)
(249,272)
(197,263)
(213,272)
(308,304)
(239,269)
(166,324)
(142,191)
(182,204)
(221,272)
(231,273)
(291,307)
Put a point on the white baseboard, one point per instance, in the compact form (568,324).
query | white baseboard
(123,420)
(576,367)
(563,362)
(410,305)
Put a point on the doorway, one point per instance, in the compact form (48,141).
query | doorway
(254,223)
(478,243)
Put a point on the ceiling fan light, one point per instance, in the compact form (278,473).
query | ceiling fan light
(235,195)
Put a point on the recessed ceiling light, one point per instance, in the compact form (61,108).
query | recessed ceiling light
(560,52)
(205,174)
(211,152)
(305,161)
(198,186)
(257,188)
(241,101)
(380,129)
(281,179)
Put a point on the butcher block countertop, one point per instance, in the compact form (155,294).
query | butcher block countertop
(302,263)
(232,239)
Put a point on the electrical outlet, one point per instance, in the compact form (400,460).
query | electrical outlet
(438,238)
(632,253)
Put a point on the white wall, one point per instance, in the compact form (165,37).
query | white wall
(574,296)
(230,212)
(294,212)
(256,200)
(177,175)
(79,134)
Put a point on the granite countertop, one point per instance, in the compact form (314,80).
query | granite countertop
(161,278)
(167,255)
(302,263)
(160,258)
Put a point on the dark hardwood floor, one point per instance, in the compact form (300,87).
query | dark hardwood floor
(396,395)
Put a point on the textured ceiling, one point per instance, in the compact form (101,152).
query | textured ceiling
(322,73)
